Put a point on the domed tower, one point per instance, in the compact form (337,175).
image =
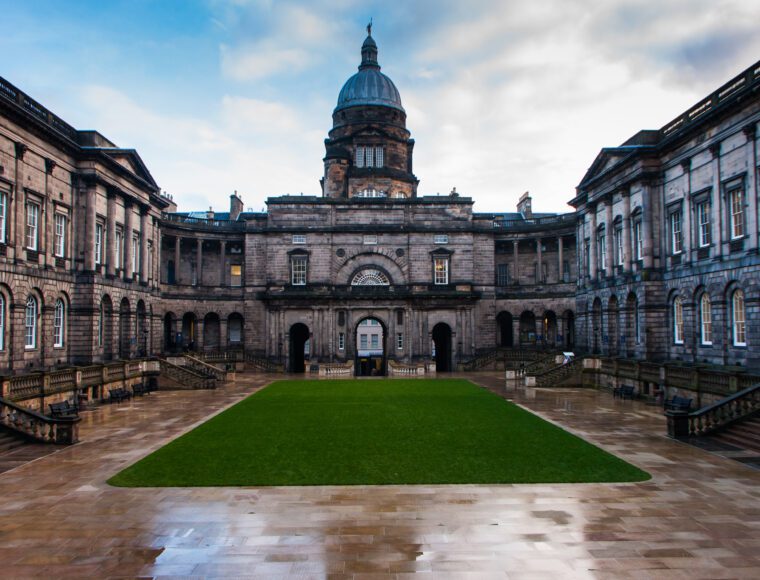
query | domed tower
(369,150)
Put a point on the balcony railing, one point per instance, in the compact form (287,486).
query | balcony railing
(176,218)
(565,219)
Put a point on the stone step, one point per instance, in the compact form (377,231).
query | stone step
(738,441)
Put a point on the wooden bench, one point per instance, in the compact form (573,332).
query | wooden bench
(140,389)
(677,403)
(119,395)
(63,409)
(624,392)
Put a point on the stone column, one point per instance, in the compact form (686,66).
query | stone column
(627,250)
(647,227)
(89,237)
(539,262)
(19,221)
(111,235)
(144,235)
(716,223)
(751,193)
(593,275)
(127,241)
(47,219)
(609,230)
(516,262)
(560,260)
(222,264)
(199,262)
(686,233)
(177,246)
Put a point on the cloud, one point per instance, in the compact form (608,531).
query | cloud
(250,63)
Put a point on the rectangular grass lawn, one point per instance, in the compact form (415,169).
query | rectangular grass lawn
(375,432)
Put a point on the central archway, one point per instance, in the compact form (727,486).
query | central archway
(370,348)
(442,345)
(299,342)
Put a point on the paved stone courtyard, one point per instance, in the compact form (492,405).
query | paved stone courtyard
(699,517)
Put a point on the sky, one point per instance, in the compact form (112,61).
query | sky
(501,96)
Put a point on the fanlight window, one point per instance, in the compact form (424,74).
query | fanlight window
(370,192)
(370,278)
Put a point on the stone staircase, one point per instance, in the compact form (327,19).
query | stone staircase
(561,374)
(10,440)
(182,377)
(744,434)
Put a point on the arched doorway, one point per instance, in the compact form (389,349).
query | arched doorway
(124,329)
(170,323)
(211,332)
(504,328)
(442,346)
(141,329)
(370,348)
(569,330)
(527,329)
(299,344)
(106,330)
(613,336)
(187,340)
(596,326)
(549,329)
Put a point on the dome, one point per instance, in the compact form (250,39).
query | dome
(369,86)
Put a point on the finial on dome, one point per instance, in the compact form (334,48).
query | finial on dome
(369,28)
(369,50)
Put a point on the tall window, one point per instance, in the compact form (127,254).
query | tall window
(502,274)
(363,341)
(399,341)
(101,322)
(2,322)
(298,270)
(374,341)
(30,323)
(341,341)
(236,274)
(369,156)
(32,221)
(637,240)
(703,219)
(98,243)
(738,318)
(676,235)
(59,323)
(587,258)
(135,254)
(736,201)
(602,250)
(705,315)
(59,245)
(119,249)
(441,270)
(3,216)
(678,320)
(637,322)
(618,246)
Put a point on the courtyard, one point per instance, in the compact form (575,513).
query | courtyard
(698,517)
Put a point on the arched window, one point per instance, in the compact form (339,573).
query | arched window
(30,323)
(637,322)
(678,320)
(59,323)
(370,278)
(2,322)
(738,319)
(705,315)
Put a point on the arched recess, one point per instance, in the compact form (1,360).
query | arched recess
(299,336)
(549,328)
(596,326)
(442,343)
(211,332)
(141,329)
(370,261)
(125,330)
(371,336)
(569,317)
(504,329)
(613,334)
(170,326)
(235,324)
(105,327)
(188,331)
(527,328)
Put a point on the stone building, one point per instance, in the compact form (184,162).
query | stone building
(96,264)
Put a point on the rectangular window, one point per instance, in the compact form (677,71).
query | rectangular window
(441,270)
(298,270)
(676,235)
(98,243)
(374,341)
(637,240)
(3,217)
(369,157)
(32,221)
(299,239)
(587,258)
(502,274)
(602,250)
(360,156)
(58,317)
(736,201)
(59,245)
(618,247)
(363,342)
(379,157)
(703,219)
(135,254)
(236,274)
(440,239)
(399,341)
(341,341)
(119,249)
(369,240)
(566,271)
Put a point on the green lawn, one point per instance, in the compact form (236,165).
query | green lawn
(375,432)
